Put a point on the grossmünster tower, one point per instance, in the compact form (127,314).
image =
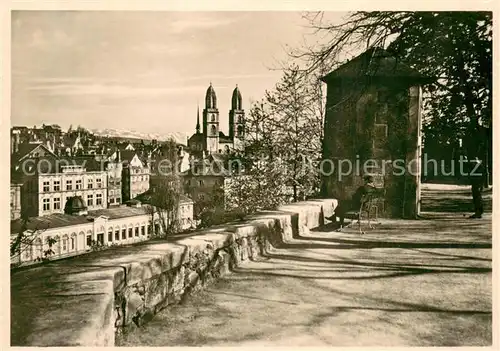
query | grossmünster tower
(209,137)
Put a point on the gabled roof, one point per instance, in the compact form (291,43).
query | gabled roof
(127,155)
(27,149)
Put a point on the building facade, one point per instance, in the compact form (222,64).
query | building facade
(46,193)
(135,176)
(15,201)
(74,235)
(186,213)
(114,169)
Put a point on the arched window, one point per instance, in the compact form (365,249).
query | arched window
(240,131)
(213,118)
(56,246)
(65,246)
(38,248)
(73,242)
(27,252)
(81,241)
(213,130)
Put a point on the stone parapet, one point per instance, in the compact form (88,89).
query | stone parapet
(87,300)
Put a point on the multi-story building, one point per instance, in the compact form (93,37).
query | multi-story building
(114,169)
(15,200)
(77,230)
(205,180)
(46,193)
(135,175)
(186,213)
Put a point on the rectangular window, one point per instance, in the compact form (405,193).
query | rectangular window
(57,185)
(117,235)
(98,183)
(72,243)
(46,186)
(46,204)
(111,200)
(78,185)
(90,200)
(57,203)
(69,185)
(90,183)
(89,240)
(124,234)
(110,236)
(136,231)
(65,244)
(129,232)
(143,230)
(98,199)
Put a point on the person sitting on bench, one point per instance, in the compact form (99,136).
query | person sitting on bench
(354,203)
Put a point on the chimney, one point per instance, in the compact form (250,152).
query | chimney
(16,142)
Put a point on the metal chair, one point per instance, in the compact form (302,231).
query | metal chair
(366,206)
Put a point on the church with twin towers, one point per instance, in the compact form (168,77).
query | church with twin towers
(208,138)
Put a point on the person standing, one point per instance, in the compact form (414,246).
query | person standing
(476,175)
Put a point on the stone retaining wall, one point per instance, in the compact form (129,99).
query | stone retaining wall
(85,301)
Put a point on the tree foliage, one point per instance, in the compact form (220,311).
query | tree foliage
(296,119)
(166,188)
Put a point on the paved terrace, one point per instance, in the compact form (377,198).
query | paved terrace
(406,283)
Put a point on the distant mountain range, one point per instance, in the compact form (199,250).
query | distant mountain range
(179,137)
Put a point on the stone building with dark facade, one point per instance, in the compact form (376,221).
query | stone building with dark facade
(373,125)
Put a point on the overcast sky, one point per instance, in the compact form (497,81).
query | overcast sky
(143,71)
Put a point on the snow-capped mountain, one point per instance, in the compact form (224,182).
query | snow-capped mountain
(179,137)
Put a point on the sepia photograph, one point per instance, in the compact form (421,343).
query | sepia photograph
(251,178)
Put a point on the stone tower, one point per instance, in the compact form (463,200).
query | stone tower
(211,121)
(374,120)
(236,119)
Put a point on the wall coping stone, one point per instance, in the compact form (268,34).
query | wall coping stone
(71,302)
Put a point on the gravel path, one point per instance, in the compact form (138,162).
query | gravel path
(405,283)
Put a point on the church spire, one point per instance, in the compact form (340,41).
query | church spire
(198,121)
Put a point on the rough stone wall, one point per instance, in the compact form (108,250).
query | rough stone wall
(87,300)
(378,121)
